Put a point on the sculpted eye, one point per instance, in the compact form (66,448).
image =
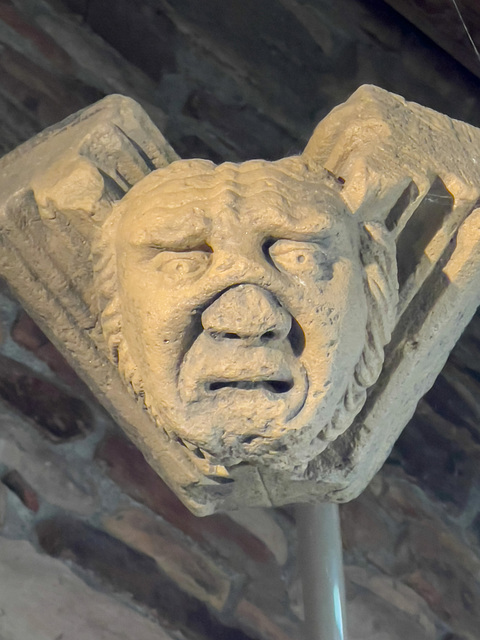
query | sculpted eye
(293,256)
(182,264)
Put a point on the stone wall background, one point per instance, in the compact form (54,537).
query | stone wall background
(93,546)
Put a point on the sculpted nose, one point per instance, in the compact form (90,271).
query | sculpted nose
(247,312)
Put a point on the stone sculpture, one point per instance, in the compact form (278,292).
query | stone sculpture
(262,331)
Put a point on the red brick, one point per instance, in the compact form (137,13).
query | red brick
(122,569)
(444,571)
(363,526)
(41,40)
(128,468)
(428,591)
(252,618)
(58,415)
(193,571)
(46,95)
(28,335)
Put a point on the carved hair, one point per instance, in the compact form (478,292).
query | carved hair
(377,254)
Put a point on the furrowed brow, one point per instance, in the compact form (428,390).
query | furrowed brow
(173,231)
(316,227)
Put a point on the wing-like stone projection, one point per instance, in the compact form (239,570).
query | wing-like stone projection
(262,331)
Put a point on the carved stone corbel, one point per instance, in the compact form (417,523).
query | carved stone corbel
(262,331)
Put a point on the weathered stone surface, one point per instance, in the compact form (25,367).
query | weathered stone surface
(366,528)
(242,551)
(443,461)
(379,607)
(41,598)
(413,541)
(51,66)
(443,23)
(371,611)
(390,593)
(261,523)
(374,45)
(251,68)
(453,592)
(255,620)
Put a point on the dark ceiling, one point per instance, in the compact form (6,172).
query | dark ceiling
(449,23)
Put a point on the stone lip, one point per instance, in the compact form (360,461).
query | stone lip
(209,363)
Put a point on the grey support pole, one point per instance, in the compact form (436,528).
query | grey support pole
(321,566)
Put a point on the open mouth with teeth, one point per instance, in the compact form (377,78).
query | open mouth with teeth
(274,386)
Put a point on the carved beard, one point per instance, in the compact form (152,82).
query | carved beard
(377,254)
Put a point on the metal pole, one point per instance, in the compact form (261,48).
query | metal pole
(321,566)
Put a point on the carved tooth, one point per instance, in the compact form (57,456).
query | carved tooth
(211,470)
(219,470)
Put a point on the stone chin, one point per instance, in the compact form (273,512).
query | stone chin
(265,353)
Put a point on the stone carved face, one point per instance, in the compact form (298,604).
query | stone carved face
(245,309)
(240,309)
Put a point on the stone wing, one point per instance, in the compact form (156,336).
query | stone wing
(418,172)
(56,191)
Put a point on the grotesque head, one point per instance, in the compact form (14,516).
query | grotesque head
(246,307)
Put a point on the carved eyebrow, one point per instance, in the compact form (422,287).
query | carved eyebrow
(320,228)
(180,233)
(204,248)
(321,238)
(170,242)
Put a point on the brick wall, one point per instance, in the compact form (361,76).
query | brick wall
(92,544)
